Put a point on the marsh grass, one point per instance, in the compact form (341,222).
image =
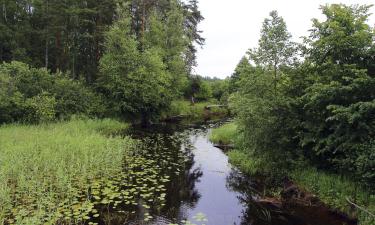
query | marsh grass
(225,135)
(334,190)
(45,166)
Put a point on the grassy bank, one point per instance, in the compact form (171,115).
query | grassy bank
(335,190)
(225,134)
(331,188)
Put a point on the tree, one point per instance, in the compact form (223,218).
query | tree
(243,69)
(192,19)
(275,48)
(135,81)
(343,38)
(259,98)
(338,107)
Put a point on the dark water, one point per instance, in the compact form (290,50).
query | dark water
(206,189)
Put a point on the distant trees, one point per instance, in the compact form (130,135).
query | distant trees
(138,54)
(68,36)
(58,35)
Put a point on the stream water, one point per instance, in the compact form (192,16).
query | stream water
(208,190)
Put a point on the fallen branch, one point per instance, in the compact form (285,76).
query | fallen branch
(359,207)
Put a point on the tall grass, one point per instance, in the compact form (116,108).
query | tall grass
(226,134)
(44,166)
(334,190)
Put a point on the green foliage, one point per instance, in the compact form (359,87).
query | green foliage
(34,95)
(194,112)
(244,67)
(41,108)
(136,83)
(205,92)
(322,109)
(275,50)
(220,89)
(343,38)
(69,36)
(338,107)
(199,88)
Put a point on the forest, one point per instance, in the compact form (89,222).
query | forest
(101,110)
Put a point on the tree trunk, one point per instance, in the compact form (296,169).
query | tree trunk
(5,12)
(143,25)
(47,39)
(58,51)
(275,76)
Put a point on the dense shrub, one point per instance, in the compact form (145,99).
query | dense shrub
(34,95)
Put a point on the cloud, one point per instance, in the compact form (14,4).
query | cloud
(231,27)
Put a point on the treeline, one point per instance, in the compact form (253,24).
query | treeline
(127,58)
(311,102)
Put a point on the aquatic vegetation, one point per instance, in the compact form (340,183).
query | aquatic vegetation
(68,173)
(200,219)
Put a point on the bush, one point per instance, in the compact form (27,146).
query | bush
(34,95)
(41,108)
(74,98)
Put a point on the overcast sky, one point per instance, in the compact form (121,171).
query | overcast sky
(233,26)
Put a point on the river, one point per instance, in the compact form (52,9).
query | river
(207,190)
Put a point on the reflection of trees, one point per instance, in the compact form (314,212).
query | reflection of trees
(172,149)
(181,191)
(255,213)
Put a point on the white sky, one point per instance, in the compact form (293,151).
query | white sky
(231,27)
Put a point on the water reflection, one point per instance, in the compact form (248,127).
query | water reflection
(202,181)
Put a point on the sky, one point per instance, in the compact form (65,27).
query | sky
(231,27)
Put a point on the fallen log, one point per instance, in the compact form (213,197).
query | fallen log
(224,147)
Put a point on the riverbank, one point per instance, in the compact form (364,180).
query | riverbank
(335,191)
(198,112)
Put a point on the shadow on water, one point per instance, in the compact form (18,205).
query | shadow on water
(203,182)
